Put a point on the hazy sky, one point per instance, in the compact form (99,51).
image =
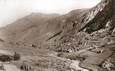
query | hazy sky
(10,10)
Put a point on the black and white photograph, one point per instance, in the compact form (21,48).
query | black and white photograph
(57,35)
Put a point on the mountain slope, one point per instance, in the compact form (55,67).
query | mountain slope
(40,28)
(83,38)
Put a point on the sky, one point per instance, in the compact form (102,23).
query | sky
(11,10)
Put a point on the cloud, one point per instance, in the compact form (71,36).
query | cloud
(58,6)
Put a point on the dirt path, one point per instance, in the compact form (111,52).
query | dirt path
(10,67)
(75,65)
(5,52)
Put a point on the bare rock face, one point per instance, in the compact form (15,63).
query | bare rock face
(97,17)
